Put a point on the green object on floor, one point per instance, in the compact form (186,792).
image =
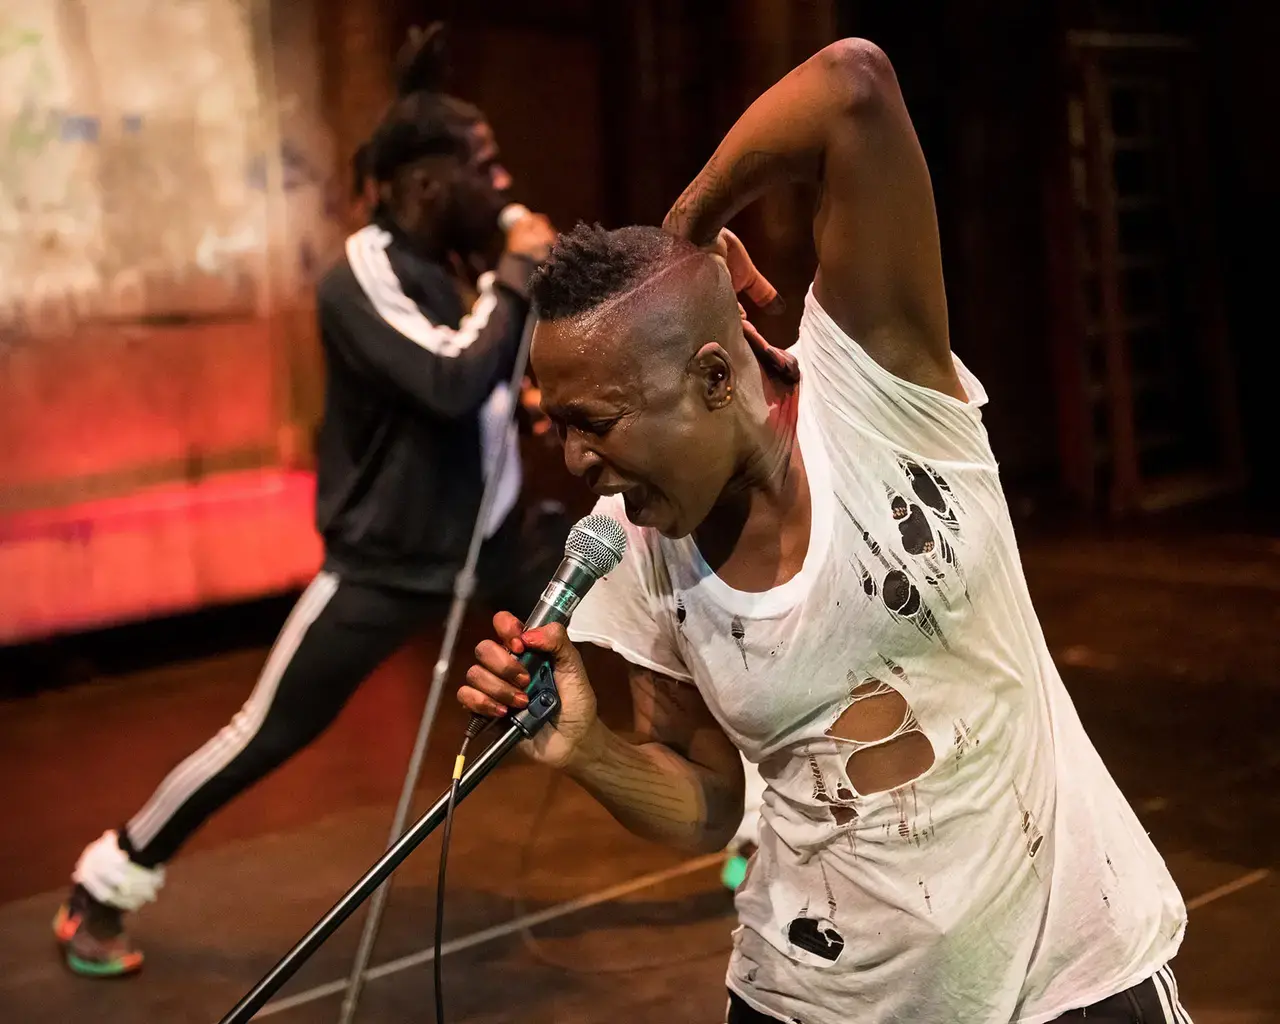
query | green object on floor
(734,871)
(96,969)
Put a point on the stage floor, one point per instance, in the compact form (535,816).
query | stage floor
(1170,646)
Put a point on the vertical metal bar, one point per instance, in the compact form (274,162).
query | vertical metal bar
(1125,482)
(464,585)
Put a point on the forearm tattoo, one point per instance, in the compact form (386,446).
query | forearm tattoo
(658,795)
(652,785)
(725,185)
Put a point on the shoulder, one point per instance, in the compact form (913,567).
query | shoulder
(631,611)
(337,283)
(853,397)
(380,267)
(363,257)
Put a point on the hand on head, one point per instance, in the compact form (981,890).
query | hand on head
(777,362)
(728,248)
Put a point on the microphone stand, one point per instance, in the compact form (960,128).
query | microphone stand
(544,701)
(463,586)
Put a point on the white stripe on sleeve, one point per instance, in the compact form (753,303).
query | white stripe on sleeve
(367,254)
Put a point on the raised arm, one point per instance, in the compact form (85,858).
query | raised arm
(839,121)
(676,778)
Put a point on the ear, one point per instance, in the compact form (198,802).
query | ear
(412,188)
(428,184)
(714,373)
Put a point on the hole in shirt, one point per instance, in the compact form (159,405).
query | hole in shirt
(843,815)
(890,748)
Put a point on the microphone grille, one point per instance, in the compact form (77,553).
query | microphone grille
(599,542)
(511,213)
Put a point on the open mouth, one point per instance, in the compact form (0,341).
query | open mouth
(642,504)
(637,503)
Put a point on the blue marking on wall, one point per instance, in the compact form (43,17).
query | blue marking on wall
(79,128)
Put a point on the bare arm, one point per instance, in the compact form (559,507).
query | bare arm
(677,780)
(839,121)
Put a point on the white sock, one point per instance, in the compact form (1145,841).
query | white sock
(112,878)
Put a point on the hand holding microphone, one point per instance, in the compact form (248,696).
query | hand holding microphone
(528,234)
(496,683)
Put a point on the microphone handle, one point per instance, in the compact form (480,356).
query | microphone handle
(568,586)
(560,597)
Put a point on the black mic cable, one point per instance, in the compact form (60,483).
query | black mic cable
(593,549)
(437,956)
(475,728)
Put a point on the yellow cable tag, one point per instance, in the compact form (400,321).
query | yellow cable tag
(457,766)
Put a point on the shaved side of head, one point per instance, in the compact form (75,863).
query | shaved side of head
(641,299)
(669,317)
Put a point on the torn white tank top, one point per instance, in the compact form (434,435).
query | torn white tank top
(1011,880)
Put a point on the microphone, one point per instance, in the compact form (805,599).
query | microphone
(593,549)
(511,213)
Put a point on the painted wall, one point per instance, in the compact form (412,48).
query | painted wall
(167,196)
(133,180)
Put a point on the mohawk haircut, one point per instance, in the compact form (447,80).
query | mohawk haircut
(590,265)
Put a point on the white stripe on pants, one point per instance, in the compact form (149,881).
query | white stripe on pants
(220,751)
(1167,990)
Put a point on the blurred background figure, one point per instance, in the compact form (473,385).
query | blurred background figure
(418,413)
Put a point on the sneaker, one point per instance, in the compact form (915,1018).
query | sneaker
(92,937)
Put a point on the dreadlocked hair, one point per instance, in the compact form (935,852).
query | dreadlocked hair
(422,65)
(590,265)
(419,125)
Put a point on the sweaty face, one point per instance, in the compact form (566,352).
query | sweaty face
(640,414)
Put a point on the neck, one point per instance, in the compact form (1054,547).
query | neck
(764,511)
(427,243)
(765,470)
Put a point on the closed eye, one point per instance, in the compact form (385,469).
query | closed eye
(599,427)
(572,419)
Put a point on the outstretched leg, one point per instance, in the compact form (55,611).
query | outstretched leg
(336,635)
